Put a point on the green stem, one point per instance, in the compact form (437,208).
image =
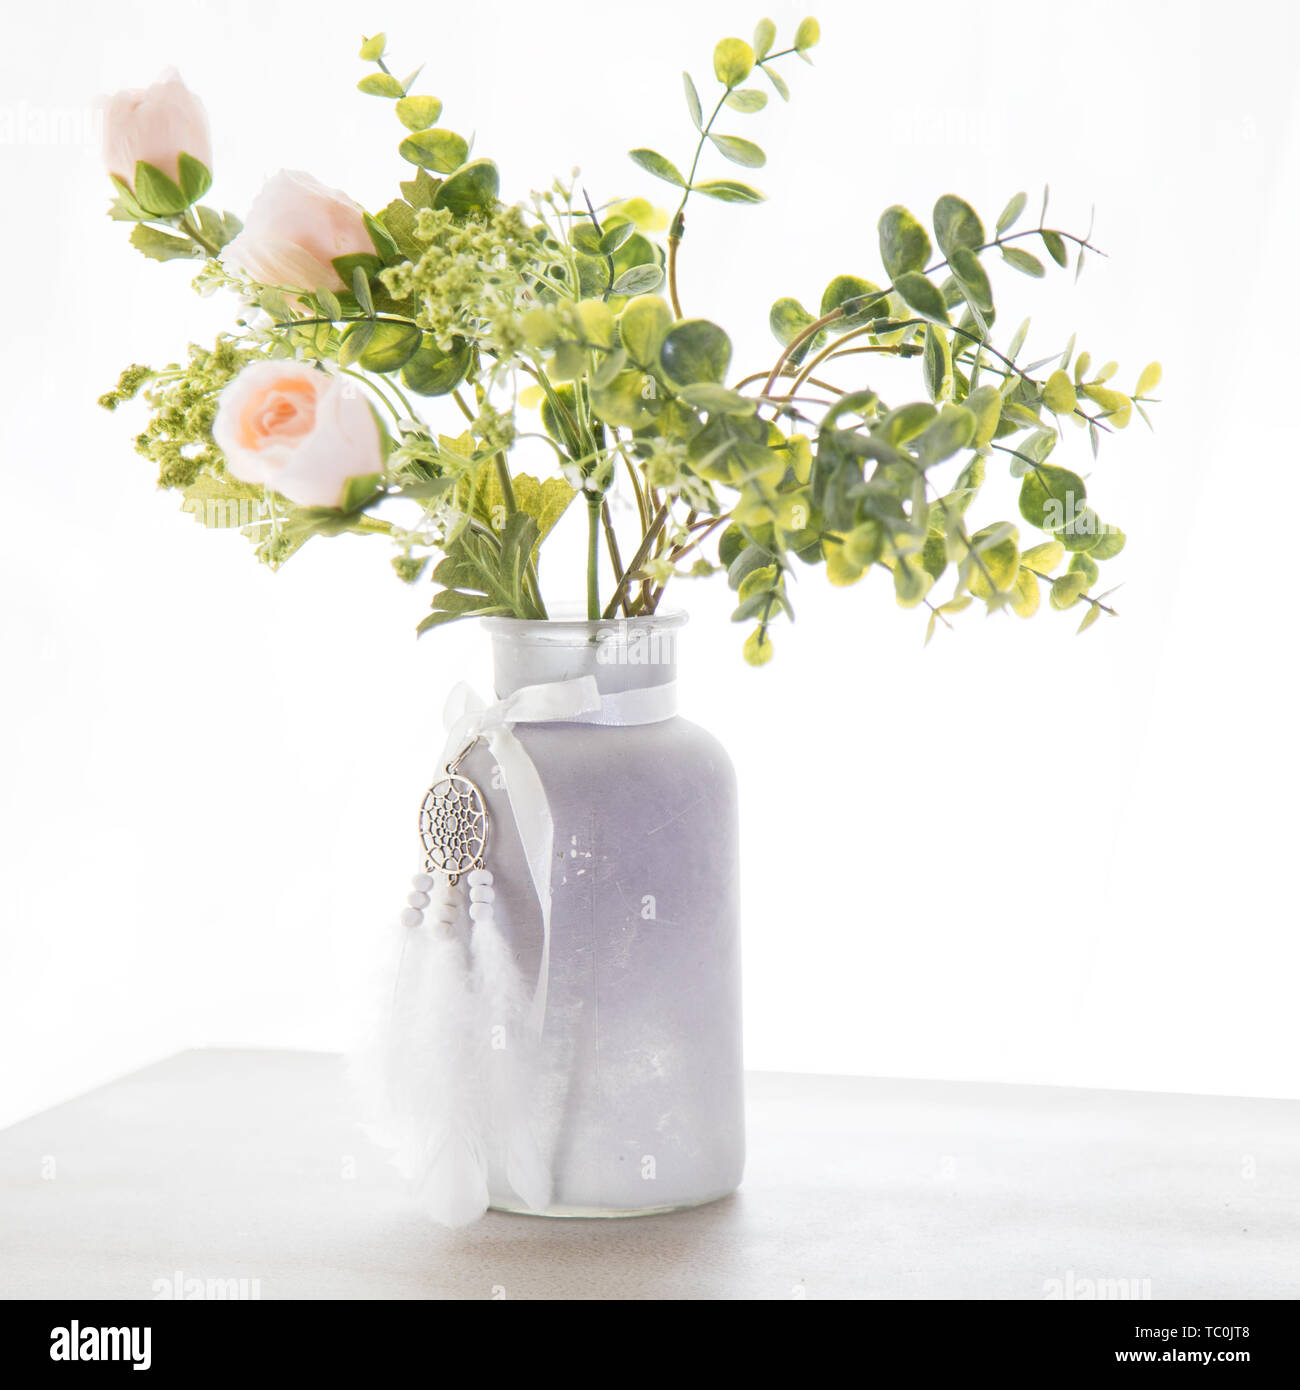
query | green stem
(593,558)
(678,225)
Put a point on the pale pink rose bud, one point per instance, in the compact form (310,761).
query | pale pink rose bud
(298,431)
(294,230)
(157,124)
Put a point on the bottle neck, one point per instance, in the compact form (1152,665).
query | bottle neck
(622,654)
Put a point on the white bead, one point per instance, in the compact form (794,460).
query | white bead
(446,914)
(482,893)
(480,912)
(422,882)
(480,878)
(418,899)
(412,917)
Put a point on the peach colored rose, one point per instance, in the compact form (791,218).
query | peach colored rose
(298,431)
(158,125)
(294,230)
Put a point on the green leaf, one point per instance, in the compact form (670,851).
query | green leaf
(956,224)
(807,35)
(1086,566)
(1055,246)
(1044,558)
(195,178)
(1009,213)
(1018,340)
(380,84)
(641,279)
(440,150)
(778,82)
(904,243)
(357,492)
(1117,407)
(985,404)
(1025,595)
(419,113)
(385,246)
(654,163)
(973,278)
(355,341)
(432,372)
(733,61)
(1109,544)
(922,295)
(845,289)
(758,647)
(746,100)
(159,246)
(1023,261)
(937,364)
(622,401)
(787,319)
(471,189)
(739,151)
(1148,380)
(1051,497)
(586,238)
(950,431)
(347,266)
(615,236)
(156,193)
(643,325)
(729,191)
(1067,590)
(372,50)
(1090,617)
(693,101)
(597,322)
(911,583)
(718,400)
(1083,532)
(764,38)
(420,191)
(386,347)
(361,289)
(999,551)
(1058,394)
(329,304)
(695,350)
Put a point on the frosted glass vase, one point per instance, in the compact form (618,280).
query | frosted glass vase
(640,1095)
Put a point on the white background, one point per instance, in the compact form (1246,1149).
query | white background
(1036,858)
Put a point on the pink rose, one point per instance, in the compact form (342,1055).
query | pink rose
(298,431)
(294,230)
(157,125)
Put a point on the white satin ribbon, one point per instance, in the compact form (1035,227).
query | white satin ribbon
(468,718)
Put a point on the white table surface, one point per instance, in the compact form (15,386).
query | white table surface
(241,1164)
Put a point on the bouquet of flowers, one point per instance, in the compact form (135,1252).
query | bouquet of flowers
(384,368)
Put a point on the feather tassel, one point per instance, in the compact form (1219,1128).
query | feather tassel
(421,1072)
(507,1050)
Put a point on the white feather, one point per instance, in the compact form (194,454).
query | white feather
(419,1071)
(508,1051)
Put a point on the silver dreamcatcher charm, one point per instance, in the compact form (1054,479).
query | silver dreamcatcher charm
(453,825)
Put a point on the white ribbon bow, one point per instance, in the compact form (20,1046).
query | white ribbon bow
(468,718)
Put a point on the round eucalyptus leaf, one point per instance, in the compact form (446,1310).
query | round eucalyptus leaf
(432,372)
(440,150)
(470,189)
(904,243)
(643,326)
(956,224)
(695,350)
